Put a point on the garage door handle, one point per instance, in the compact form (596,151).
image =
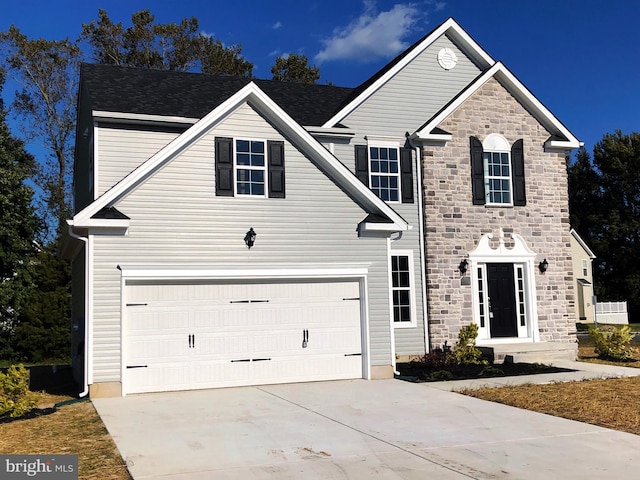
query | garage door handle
(241,360)
(137,366)
(352,354)
(189,340)
(260,359)
(305,338)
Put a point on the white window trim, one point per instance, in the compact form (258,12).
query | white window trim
(585,268)
(236,167)
(495,143)
(412,289)
(384,142)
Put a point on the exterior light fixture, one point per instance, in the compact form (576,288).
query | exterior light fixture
(463,266)
(543,266)
(250,238)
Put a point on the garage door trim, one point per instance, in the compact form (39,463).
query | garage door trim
(133,274)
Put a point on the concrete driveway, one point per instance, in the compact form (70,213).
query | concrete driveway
(358,429)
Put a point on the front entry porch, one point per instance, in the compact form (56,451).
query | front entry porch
(539,352)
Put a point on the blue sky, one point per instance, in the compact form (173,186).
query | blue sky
(581,58)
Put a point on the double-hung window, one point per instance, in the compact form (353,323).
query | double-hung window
(402,289)
(497,177)
(497,172)
(386,168)
(385,173)
(250,167)
(246,167)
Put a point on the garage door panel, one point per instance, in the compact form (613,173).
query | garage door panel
(245,334)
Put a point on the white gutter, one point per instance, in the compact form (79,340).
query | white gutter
(86,311)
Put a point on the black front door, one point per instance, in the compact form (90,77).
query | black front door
(502,300)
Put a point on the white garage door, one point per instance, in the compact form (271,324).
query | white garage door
(205,335)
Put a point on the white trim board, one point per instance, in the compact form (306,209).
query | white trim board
(520,92)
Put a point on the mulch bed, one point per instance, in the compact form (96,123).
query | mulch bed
(36,412)
(421,372)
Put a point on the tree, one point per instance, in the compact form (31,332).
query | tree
(18,229)
(171,46)
(46,107)
(605,203)
(295,68)
(43,331)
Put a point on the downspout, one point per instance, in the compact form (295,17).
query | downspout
(423,252)
(86,311)
(392,331)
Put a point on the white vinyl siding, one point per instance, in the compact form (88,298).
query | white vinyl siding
(122,150)
(414,95)
(177,221)
(408,341)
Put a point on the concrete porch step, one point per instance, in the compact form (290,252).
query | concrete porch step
(541,352)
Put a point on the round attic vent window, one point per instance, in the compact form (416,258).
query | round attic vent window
(447,58)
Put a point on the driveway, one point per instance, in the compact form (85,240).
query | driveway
(358,429)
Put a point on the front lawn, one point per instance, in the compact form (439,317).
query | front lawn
(611,403)
(75,428)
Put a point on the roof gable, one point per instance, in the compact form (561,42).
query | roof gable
(450,27)
(561,137)
(582,243)
(296,134)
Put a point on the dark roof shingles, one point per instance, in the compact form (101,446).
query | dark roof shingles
(193,95)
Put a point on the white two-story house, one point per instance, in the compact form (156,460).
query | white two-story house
(233,231)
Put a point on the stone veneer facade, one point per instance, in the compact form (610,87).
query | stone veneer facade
(453,225)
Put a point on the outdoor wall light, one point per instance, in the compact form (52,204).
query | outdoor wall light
(463,266)
(543,266)
(250,238)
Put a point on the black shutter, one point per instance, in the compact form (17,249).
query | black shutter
(477,172)
(362,164)
(406,175)
(224,166)
(517,161)
(275,150)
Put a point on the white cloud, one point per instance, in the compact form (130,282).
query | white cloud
(373,34)
(277,25)
(440,6)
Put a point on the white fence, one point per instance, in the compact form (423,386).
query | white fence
(612,312)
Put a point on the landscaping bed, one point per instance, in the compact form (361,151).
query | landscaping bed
(420,371)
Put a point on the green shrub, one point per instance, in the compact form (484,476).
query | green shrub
(15,397)
(465,352)
(613,343)
(441,375)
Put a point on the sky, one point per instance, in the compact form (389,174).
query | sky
(580,58)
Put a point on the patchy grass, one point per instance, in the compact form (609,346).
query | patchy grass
(586,353)
(611,403)
(73,429)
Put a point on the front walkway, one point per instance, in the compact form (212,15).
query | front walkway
(583,371)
